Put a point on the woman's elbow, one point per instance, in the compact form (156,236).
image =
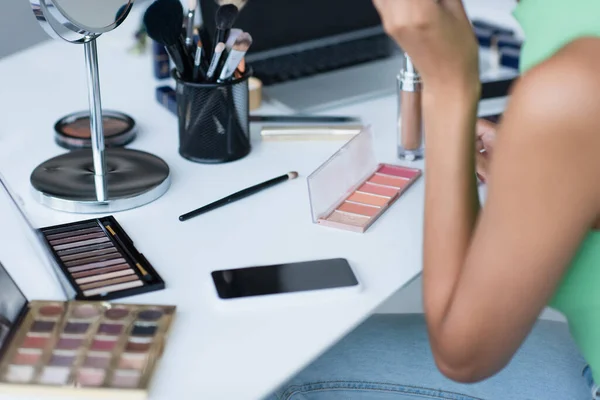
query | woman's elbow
(463,363)
(459,372)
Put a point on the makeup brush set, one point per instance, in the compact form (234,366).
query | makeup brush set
(196,56)
(212,95)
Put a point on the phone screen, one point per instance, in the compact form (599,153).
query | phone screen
(284,278)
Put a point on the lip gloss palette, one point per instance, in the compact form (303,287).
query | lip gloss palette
(365,204)
(351,190)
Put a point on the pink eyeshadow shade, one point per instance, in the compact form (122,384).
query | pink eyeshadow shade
(378,190)
(389,181)
(34,342)
(398,171)
(103,345)
(27,358)
(348,219)
(368,199)
(91,377)
(359,209)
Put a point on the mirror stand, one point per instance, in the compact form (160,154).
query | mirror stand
(107,180)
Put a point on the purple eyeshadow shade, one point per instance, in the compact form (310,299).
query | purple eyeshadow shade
(110,329)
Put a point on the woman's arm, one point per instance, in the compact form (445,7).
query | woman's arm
(487,276)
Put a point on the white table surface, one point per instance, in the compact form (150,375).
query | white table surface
(214,352)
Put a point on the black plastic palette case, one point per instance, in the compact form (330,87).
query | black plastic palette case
(64,348)
(99,261)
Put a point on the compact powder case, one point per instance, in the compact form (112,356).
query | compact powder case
(74,132)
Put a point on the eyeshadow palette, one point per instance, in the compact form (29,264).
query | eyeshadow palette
(86,345)
(351,190)
(99,261)
(365,204)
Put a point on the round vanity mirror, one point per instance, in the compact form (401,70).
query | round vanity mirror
(95,180)
(92,16)
(80,20)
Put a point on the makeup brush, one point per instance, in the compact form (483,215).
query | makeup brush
(224,19)
(233,35)
(215,60)
(239,195)
(235,56)
(189,27)
(198,74)
(145,275)
(238,3)
(163,20)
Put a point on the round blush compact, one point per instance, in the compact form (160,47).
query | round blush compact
(74,132)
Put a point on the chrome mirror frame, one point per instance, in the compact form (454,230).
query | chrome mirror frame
(110,180)
(55,22)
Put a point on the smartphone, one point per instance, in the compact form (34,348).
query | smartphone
(284,278)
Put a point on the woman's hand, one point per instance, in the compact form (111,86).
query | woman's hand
(485,135)
(438,37)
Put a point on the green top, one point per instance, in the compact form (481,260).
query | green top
(548,26)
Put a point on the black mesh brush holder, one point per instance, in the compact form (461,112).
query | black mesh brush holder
(213,120)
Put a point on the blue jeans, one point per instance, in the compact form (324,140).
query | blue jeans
(388,358)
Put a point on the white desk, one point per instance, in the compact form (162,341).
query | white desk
(212,353)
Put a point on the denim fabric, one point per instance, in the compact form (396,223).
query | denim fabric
(388,358)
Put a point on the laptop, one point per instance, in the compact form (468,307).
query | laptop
(319,54)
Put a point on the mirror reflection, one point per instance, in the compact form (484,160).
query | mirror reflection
(94,15)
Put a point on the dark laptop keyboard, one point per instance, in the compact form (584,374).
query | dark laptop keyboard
(310,62)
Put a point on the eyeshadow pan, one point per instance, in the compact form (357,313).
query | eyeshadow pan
(76,327)
(398,171)
(379,190)
(82,243)
(109,282)
(73,233)
(111,329)
(100,264)
(97,361)
(19,373)
(91,377)
(42,326)
(368,199)
(27,357)
(359,209)
(116,313)
(150,315)
(138,346)
(103,277)
(54,376)
(77,238)
(62,360)
(133,361)
(72,228)
(100,271)
(388,181)
(51,310)
(66,343)
(143,330)
(34,342)
(85,311)
(113,288)
(93,253)
(88,260)
(85,249)
(126,379)
(103,344)
(348,219)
